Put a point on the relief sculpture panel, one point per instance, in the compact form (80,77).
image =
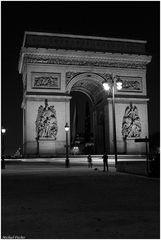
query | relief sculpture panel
(45,80)
(46,122)
(131,84)
(131,125)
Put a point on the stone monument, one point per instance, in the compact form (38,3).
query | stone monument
(54,65)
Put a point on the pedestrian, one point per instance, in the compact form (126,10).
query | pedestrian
(105,162)
(89,161)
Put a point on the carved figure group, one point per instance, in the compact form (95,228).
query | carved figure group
(133,85)
(131,125)
(46,123)
(49,81)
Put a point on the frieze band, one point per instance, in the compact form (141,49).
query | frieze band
(82,62)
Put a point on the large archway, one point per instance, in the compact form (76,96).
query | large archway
(81,122)
(87,114)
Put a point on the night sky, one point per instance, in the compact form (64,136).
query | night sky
(132,20)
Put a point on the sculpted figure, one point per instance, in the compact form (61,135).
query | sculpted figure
(131,125)
(46,123)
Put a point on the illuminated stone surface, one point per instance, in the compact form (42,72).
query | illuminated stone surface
(52,68)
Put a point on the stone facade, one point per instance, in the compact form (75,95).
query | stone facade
(50,73)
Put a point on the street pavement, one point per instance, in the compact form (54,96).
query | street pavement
(45,201)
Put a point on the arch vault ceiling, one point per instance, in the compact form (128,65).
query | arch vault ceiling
(93,89)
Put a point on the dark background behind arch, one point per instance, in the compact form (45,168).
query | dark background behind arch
(133,20)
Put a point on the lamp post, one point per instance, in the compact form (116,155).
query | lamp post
(67,156)
(37,140)
(3,130)
(110,84)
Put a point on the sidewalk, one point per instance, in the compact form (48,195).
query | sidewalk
(45,201)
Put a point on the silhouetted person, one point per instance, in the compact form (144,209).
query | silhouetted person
(105,162)
(89,161)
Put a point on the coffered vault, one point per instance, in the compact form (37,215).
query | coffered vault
(88,83)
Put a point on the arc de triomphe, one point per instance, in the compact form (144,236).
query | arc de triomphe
(54,65)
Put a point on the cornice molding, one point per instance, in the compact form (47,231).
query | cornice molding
(79,53)
(82,37)
(82,58)
(83,61)
(128,99)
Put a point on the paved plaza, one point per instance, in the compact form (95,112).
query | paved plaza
(45,201)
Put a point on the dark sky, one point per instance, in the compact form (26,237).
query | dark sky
(133,20)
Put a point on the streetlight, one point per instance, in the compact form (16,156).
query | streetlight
(110,84)
(37,140)
(3,130)
(67,156)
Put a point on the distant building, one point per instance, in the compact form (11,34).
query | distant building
(54,65)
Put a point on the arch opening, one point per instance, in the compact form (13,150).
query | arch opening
(86,112)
